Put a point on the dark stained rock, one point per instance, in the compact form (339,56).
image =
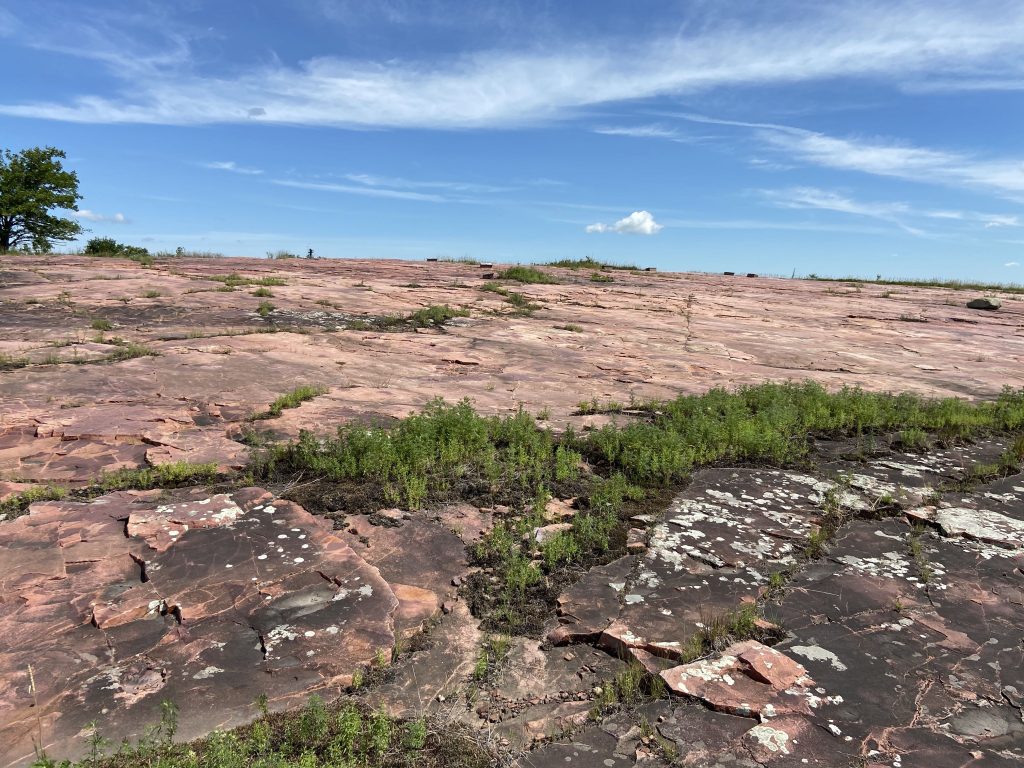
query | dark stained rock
(121,603)
(987,302)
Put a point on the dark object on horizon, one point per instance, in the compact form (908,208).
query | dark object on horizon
(751,274)
(309,255)
(650,269)
(728,273)
(433,258)
(486,266)
(986,303)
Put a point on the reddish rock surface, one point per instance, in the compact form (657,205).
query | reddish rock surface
(120,603)
(901,646)
(643,335)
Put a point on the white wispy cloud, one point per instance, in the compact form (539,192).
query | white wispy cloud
(653,131)
(87,215)
(805,198)
(232,166)
(637,223)
(894,212)
(399,183)
(886,157)
(501,87)
(1012,264)
(366,191)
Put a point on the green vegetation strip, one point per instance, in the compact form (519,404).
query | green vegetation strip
(935,282)
(526,275)
(292,399)
(343,735)
(449,452)
(589,263)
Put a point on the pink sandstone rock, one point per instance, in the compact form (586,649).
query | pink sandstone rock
(120,603)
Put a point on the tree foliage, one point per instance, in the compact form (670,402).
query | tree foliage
(34,184)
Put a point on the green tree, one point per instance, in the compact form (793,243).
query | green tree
(33,183)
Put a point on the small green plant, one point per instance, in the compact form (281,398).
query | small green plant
(526,275)
(589,263)
(435,315)
(571,327)
(151,294)
(18,503)
(235,280)
(101,325)
(600,277)
(170,475)
(263,293)
(129,351)
(264,309)
(292,399)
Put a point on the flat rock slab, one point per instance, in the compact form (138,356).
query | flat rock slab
(217,365)
(717,546)
(936,636)
(122,603)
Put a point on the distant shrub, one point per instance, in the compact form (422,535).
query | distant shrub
(526,275)
(589,263)
(436,315)
(108,246)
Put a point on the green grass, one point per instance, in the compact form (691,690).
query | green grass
(264,309)
(263,293)
(292,399)
(435,315)
(129,351)
(234,280)
(151,295)
(18,504)
(459,260)
(520,303)
(571,327)
(935,282)
(101,325)
(10,362)
(171,475)
(600,277)
(341,735)
(526,275)
(589,263)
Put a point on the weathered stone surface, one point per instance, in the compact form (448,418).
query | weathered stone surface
(987,302)
(120,603)
(214,370)
(748,679)
(911,636)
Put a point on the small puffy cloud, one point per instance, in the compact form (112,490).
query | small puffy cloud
(233,167)
(1012,264)
(637,223)
(85,213)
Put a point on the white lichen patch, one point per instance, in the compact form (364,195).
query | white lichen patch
(772,739)
(817,653)
(203,674)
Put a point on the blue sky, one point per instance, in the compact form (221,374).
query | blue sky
(837,138)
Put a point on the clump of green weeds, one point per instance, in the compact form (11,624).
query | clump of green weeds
(234,280)
(170,475)
(345,734)
(522,274)
(292,399)
(18,503)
